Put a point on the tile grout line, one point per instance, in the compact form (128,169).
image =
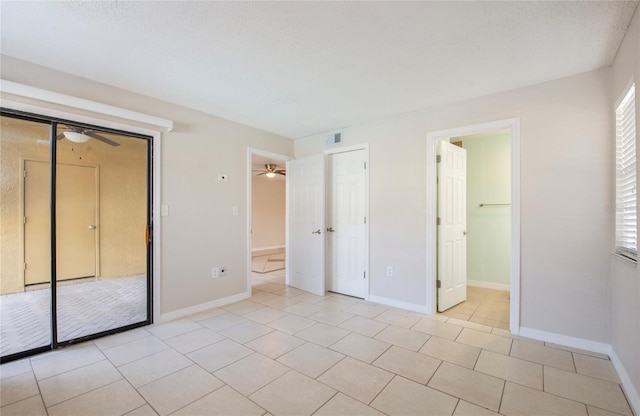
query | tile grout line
(573,400)
(504,387)
(136,388)
(325,402)
(86,392)
(382,389)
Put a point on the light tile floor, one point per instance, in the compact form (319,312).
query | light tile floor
(267,261)
(483,306)
(285,351)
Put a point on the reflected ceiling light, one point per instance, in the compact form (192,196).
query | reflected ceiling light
(75,136)
(270,174)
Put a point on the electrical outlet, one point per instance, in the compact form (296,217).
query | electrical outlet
(215,273)
(223,270)
(389,271)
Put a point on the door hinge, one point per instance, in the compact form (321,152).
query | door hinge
(364,275)
(438,284)
(24,220)
(24,266)
(365,165)
(438,158)
(365,220)
(437,220)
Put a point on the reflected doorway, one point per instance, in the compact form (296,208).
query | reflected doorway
(75,221)
(267,214)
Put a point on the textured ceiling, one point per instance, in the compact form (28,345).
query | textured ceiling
(300,68)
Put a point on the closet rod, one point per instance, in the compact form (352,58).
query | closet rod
(492,205)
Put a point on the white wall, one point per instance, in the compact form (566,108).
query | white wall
(624,329)
(268,212)
(565,192)
(200,232)
(489,227)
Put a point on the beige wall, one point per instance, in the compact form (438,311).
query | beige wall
(122,198)
(268,212)
(123,205)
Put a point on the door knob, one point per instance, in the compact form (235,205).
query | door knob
(464,232)
(92,227)
(316,231)
(330,230)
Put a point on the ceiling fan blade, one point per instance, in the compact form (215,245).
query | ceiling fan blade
(60,136)
(281,173)
(260,174)
(101,138)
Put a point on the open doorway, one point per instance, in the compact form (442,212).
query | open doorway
(486,230)
(490,226)
(267,217)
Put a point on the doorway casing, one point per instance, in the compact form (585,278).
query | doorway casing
(513,125)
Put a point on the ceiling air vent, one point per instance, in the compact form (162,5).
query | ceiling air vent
(334,138)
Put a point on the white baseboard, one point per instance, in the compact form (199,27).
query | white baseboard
(181,313)
(567,341)
(398,304)
(630,390)
(267,248)
(488,285)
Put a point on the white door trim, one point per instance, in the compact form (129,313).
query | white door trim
(513,124)
(250,153)
(365,147)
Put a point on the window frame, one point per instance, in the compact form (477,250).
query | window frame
(624,143)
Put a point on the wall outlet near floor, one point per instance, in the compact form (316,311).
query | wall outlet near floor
(223,270)
(389,271)
(215,272)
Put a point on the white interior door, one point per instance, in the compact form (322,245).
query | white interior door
(306,224)
(452,219)
(346,222)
